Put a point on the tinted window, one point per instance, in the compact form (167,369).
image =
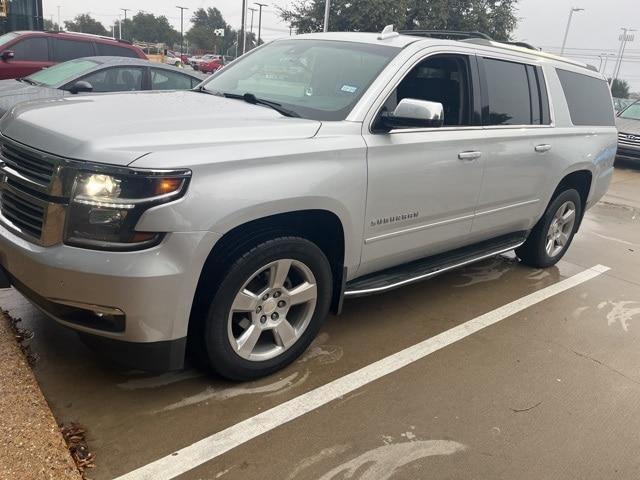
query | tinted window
(64,50)
(508,93)
(31,49)
(115,79)
(115,51)
(589,99)
(167,80)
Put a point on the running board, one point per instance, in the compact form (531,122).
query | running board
(428,267)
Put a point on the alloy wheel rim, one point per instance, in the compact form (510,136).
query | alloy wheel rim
(560,229)
(272,310)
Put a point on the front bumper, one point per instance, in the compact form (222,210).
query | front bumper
(628,153)
(153,289)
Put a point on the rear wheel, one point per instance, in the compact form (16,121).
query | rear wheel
(268,308)
(552,235)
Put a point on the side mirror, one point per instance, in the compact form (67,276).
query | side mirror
(413,113)
(7,55)
(81,87)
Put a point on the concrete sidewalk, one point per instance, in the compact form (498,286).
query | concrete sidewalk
(31,444)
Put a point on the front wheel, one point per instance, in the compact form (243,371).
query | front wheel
(268,308)
(552,235)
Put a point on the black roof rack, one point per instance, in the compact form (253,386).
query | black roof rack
(446,34)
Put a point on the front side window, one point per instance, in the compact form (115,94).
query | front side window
(168,80)
(64,50)
(588,98)
(316,79)
(632,112)
(32,49)
(62,72)
(444,79)
(116,79)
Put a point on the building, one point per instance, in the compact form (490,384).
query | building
(20,15)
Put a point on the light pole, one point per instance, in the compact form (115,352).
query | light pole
(605,57)
(566,32)
(252,10)
(260,5)
(244,27)
(327,8)
(125,10)
(625,37)
(59,24)
(182,9)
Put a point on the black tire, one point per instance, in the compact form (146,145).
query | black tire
(534,251)
(222,357)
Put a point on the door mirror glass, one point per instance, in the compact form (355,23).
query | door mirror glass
(414,113)
(7,55)
(81,87)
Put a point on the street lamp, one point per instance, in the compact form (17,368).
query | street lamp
(566,32)
(260,5)
(327,7)
(252,10)
(182,9)
(125,10)
(625,37)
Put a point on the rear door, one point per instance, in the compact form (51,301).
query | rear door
(520,156)
(31,55)
(423,183)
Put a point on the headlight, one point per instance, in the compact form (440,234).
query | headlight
(105,207)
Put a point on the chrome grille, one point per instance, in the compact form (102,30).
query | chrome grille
(22,213)
(629,139)
(27,164)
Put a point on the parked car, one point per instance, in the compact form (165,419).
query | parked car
(212,65)
(23,53)
(205,58)
(313,169)
(628,123)
(97,75)
(620,104)
(172,59)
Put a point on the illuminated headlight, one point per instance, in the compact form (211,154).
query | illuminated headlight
(105,208)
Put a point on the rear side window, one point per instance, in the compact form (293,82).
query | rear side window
(64,50)
(589,99)
(115,51)
(168,80)
(31,50)
(508,93)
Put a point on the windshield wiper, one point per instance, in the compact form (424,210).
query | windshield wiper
(251,98)
(28,80)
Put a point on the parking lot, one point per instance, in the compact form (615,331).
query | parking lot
(549,389)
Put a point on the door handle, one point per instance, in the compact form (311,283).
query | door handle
(543,148)
(469,156)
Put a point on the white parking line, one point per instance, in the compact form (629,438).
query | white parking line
(215,445)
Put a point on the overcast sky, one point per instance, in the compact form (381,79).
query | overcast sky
(542,23)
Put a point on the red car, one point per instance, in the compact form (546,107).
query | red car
(23,53)
(212,65)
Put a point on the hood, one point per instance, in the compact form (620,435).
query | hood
(627,125)
(13,92)
(119,128)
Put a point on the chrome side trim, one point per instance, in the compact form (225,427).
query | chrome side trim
(368,291)
(507,207)
(416,229)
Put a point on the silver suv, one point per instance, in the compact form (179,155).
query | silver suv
(235,216)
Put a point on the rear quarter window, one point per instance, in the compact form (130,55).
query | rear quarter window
(115,51)
(588,98)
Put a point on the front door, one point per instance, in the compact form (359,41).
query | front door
(424,183)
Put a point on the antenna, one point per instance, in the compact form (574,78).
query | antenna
(388,32)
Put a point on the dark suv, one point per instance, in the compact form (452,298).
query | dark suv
(23,53)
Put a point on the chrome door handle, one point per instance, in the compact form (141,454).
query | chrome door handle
(543,148)
(469,156)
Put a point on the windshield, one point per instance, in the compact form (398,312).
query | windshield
(7,37)
(316,79)
(62,72)
(632,112)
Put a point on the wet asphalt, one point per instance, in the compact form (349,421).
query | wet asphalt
(550,392)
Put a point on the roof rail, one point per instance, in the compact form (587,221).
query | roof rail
(446,34)
(103,37)
(520,47)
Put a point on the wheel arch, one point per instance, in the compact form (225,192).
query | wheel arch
(580,180)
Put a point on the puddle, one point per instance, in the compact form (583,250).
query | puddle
(486,272)
(159,380)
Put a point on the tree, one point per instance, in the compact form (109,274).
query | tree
(203,32)
(85,23)
(620,88)
(497,18)
(146,27)
(50,26)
